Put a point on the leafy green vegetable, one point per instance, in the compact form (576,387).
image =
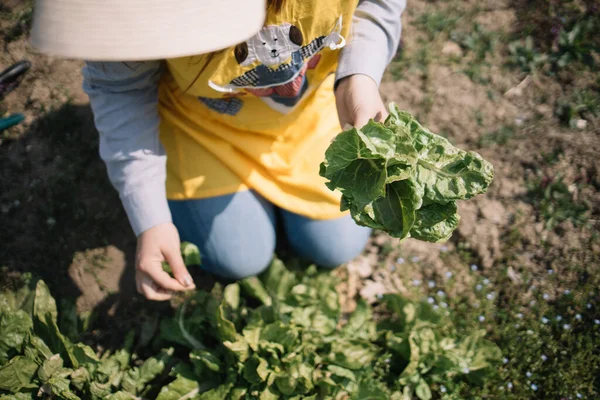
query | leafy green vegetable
(399,177)
(278,336)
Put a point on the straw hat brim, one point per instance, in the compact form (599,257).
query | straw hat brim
(134,30)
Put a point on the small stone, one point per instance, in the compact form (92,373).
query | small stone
(452,49)
(581,124)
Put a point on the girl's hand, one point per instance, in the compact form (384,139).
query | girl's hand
(358,100)
(158,244)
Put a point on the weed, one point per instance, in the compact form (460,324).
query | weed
(555,203)
(575,44)
(525,56)
(581,104)
(500,136)
(478,41)
(438,21)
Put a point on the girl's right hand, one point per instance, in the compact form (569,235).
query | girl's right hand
(157,244)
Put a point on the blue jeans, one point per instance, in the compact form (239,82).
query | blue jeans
(236,234)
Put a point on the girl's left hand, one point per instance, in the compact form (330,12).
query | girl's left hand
(358,100)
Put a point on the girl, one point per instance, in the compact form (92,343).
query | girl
(215,148)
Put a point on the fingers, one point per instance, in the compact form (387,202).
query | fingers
(153,269)
(147,288)
(175,260)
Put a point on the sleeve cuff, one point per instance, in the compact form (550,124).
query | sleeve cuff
(362,58)
(147,207)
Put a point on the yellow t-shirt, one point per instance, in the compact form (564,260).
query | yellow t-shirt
(259,115)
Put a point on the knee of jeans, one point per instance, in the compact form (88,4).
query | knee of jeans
(239,265)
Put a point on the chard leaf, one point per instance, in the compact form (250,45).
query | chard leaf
(181,387)
(218,393)
(435,222)
(254,287)
(204,360)
(422,390)
(256,369)
(59,386)
(278,280)
(191,254)
(399,177)
(231,296)
(17,374)
(352,354)
(14,328)
(369,389)
(225,327)
(49,367)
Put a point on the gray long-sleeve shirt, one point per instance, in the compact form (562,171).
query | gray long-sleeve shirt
(124,98)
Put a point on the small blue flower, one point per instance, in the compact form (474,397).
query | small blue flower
(476,305)
(430,300)
(544,358)
(474,267)
(435,306)
(566,327)
(415,259)
(400,260)
(448,274)
(567,292)
(597,321)
(393,268)
(416,282)
(441,293)
(578,317)
(490,296)
(517,326)
(444,249)
(533,287)
(534,387)
(579,396)
(589,306)
(443,389)
(546,296)
(486,281)
(520,315)
(466,370)
(532,303)
(431,284)
(558,318)
(387,360)
(509,385)
(528,374)
(379,296)
(550,271)
(529,332)
(478,287)
(545,320)
(505,360)
(481,318)
(444,304)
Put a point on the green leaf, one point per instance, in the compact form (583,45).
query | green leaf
(218,393)
(121,395)
(17,374)
(387,172)
(435,222)
(14,328)
(281,333)
(49,367)
(45,324)
(278,280)
(369,389)
(254,287)
(231,296)
(181,387)
(204,360)
(59,386)
(422,390)
(352,354)
(239,348)
(18,396)
(225,327)
(256,369)
(191,254)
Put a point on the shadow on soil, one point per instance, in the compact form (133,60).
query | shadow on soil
(62,221)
